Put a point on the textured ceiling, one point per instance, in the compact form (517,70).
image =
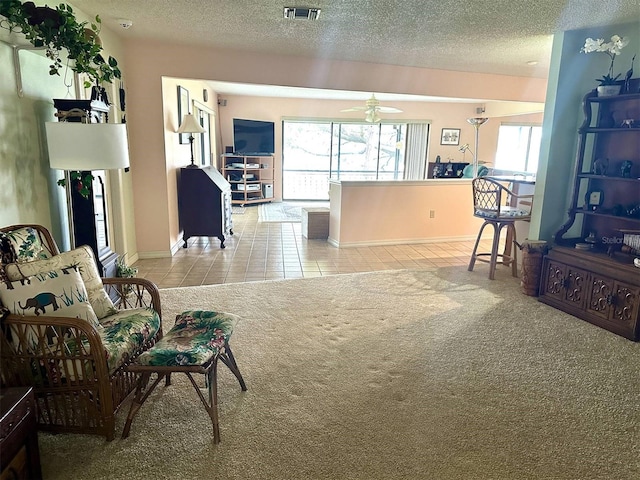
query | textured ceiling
(492,36)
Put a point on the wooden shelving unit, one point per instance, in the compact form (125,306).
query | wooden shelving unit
(251,178)
(588,272)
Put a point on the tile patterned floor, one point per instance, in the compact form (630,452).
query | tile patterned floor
(264,251)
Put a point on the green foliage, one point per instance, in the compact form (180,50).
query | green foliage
(79,182)
(607,79)
(57,29)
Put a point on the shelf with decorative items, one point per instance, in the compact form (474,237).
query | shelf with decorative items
(591,270)
(251,178)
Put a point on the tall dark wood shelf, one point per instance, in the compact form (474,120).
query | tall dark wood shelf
(588,273)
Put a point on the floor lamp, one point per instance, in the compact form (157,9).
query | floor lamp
(191,125)
(476,122)
(87,147)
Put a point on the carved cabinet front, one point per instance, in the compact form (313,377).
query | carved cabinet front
(611,303)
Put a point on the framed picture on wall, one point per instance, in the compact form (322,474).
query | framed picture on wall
(450,136)
(183,109)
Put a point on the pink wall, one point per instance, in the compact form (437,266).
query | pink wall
(149,123)
(379,213)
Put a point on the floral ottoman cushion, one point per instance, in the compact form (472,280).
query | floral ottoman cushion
(197,337)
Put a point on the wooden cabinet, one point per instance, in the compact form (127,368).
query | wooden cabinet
(589,272)
(251,178)
(594,288)
(19,453)
(204,204)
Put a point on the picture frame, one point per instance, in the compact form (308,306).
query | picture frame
(594,199)
(450,136)
(183,109)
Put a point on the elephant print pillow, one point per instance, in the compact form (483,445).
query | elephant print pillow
(58,293)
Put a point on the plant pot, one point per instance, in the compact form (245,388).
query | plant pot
(608,90)
(533,252)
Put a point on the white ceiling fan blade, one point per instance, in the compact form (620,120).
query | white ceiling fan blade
(354,109)
(388,110)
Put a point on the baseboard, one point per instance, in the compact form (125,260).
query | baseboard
(131,259)
(162,253)
(407,241)
(157,254)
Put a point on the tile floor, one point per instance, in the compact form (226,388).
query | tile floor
(264,251)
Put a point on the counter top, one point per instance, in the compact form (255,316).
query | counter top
(401,183)
(529,179)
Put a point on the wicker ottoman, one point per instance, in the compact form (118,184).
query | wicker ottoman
(315,222)
(194,345)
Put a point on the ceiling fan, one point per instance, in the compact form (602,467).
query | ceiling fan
(372,108)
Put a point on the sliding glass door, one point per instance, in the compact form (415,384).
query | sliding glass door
(313,152)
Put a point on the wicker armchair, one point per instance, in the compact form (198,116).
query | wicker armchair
(70,363)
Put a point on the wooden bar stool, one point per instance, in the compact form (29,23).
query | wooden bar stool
(493,202)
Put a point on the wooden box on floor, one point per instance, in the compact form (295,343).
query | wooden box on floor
(315,222)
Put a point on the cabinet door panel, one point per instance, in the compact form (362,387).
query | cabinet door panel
(600,296)
(626,304)
(574,284)
(554,276)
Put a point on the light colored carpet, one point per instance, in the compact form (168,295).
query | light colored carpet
(437,375)
(237,210)
(285,212)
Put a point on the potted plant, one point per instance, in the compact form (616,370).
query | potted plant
(57,29)
(609,84)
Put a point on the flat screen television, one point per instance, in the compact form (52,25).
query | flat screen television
(253,137)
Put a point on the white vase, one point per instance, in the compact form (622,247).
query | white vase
(608,90)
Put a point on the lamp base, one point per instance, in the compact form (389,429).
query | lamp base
(193,165)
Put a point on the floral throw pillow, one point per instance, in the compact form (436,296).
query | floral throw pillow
(83,258)
(58,293)
(23,245)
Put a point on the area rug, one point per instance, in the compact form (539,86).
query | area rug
(284,212)
(407,374)
(237,210)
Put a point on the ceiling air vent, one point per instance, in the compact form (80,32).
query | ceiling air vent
(301,13)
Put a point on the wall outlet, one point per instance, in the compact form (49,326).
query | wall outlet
(432,214)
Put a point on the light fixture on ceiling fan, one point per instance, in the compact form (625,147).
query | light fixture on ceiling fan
(372,108)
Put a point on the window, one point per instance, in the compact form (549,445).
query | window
(313,152)
(204,146)
(518,148)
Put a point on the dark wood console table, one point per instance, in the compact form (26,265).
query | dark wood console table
(19,453)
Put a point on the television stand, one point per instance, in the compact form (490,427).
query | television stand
(251,177)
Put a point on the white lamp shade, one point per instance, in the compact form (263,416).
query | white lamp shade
(87,146)
(190,124)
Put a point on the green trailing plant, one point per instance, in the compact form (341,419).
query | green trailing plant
(56,30)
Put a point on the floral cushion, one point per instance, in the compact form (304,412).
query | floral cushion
(197,336)
(84,259)
(505,212)
(24,245)
(58,293)
(124,333)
